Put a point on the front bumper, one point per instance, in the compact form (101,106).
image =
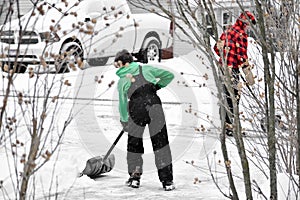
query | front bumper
(26,59)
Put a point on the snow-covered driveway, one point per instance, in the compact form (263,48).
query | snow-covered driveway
(93,96)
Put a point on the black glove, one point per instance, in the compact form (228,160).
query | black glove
(125,126)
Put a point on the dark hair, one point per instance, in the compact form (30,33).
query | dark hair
(124,56)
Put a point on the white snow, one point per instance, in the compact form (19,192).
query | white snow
(96,125)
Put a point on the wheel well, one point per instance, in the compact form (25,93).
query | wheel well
(73,40)
(142,54)
(148,35)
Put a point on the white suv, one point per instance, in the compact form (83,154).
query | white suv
(56,35)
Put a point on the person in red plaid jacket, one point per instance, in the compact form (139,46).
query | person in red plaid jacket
(232,50)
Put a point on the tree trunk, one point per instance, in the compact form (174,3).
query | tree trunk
(237,133)
(298,120)
(225,156)
(30,163)
(271,133)
(5,99)
(219,84)
(270,106)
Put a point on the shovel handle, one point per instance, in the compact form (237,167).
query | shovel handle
(113,145)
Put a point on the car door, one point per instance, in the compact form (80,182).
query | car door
(117,28)
(91,13)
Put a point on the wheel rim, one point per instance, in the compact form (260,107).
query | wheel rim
(74,53)
(72,58)
(153,52)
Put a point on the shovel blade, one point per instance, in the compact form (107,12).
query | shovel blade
(96,166)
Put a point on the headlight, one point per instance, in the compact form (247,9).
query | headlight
(49,37)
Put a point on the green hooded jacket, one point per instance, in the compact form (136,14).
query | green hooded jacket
(152,74)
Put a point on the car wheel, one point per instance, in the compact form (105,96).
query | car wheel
(70,52)
(21,68)
(152,51)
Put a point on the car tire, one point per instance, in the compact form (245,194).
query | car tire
(70,52)
(152,52)
(21,68)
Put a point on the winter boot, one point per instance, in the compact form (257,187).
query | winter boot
(228,129)
(229,132)
(168,185)
(134,179)
(133,182)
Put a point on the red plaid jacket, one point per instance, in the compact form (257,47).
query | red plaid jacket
(235,45)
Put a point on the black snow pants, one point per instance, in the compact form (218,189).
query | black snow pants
(145,109)
(235,81)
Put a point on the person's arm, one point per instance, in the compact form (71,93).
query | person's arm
(242,56)
(219,46)
(165,77)
(123,101)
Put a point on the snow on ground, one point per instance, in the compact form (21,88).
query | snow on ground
(96,125)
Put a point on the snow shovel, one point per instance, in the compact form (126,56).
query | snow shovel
(99,165)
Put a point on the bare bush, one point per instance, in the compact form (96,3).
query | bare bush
(270,107)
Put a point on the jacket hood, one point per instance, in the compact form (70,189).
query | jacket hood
(244,17)
(133,69)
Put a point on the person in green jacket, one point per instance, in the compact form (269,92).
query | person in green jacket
(139,105)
